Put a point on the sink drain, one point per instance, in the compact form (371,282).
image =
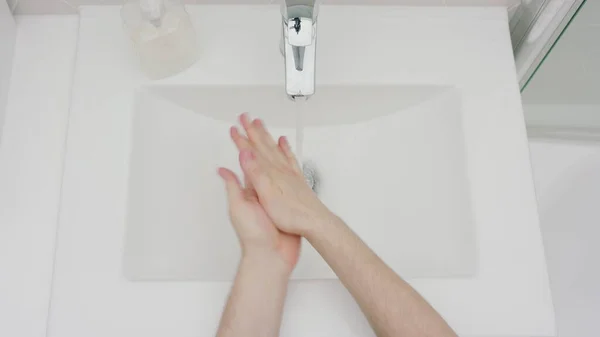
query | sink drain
(311,175)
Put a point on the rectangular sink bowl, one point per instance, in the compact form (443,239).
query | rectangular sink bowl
(390,161)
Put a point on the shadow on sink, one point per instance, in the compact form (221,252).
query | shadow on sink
(333,105)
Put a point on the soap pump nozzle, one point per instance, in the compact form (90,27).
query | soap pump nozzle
(153,10)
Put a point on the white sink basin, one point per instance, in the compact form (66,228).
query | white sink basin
(390,160)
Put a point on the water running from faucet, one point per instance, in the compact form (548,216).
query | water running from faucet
(300,110)
(308,168)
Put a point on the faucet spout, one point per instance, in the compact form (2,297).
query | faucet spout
(299,51)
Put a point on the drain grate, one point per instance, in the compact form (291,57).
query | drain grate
(311,175)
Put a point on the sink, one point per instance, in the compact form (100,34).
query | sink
(390,160)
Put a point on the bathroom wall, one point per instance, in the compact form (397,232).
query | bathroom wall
(7,45)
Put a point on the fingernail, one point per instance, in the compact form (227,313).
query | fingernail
(258,122)
(243,117)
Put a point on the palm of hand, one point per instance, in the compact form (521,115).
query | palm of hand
(255,229)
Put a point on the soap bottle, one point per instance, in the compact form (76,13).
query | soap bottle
(163,35)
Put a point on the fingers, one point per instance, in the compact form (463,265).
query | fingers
(253,169)
(248,183)
(286,149)
(232,184)
(240,141)
(245,121)
(263,136)
(262,144)
(249,165)
(258,135)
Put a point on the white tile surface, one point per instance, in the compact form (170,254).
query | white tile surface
(31,162)
(468,48)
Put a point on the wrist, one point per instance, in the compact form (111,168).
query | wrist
(265,262)
(320,225)
(314,214)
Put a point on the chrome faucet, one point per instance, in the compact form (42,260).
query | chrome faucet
(299,47)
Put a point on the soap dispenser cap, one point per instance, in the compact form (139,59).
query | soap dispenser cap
(153,9)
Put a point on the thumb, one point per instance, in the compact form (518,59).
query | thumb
(232,184)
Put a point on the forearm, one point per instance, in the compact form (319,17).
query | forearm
(392,307)
(256,300)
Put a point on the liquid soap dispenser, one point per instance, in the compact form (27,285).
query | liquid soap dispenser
(163,35)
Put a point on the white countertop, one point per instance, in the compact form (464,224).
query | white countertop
(467,48)
(31,164)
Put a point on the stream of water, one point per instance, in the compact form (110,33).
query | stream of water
(300,110)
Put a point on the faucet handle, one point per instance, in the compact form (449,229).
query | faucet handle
(300,31)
